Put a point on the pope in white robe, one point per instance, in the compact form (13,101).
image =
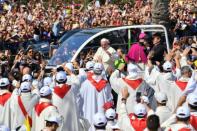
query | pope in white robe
(95,91)
(105,54)
(23,101)
(63,98)
(43,109)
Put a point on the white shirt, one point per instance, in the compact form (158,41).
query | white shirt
(106,59)
(163,112)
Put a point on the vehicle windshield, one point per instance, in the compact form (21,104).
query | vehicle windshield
(69,47)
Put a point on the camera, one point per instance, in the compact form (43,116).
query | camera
(138,97)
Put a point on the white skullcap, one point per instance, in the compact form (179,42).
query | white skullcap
(105,40)
(4,128)
(145,99)
(110,114)
(54,118)
(192,99)
(183,112)
(98,66)
(25,86)
(161,97)
(140,110)
(4,82)
(61,76)
(90,65)
(167,66)
(70,66)
(27,77)
(100,120)
(132,69)
(37,84)
(47,81)
(45,91)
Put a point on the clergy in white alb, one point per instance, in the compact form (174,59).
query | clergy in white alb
(136,86)
(5,103)
(64,99)
(177,87)
(23,101)
(43,109)
(95,91)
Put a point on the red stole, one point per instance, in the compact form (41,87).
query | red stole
(22,107)
(89,74)
(4,98)
(40,107)
(193,121)
(137,124)
(184,129)
(133,83)
(182,85)
(108,105)
(98,85)
(61,92)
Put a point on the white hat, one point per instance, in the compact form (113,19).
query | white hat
(25,86)
(70,66)
(90,65)
(4,128)
(140,110)
(145,99)
(183,112)
(61,76)
(98,66)
(54,118)
(110,114)
(100,120)
(132,69)
(192,99)
(161,97)
(27,77)
(167,66)
(36,84)
(4,82)
(47,81)
(45,91)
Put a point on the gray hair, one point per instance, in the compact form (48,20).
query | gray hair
(105,40)
(185,69)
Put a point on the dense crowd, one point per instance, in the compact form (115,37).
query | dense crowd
(144,89)
(23,22)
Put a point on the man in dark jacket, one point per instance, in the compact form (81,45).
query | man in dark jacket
(159,49)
